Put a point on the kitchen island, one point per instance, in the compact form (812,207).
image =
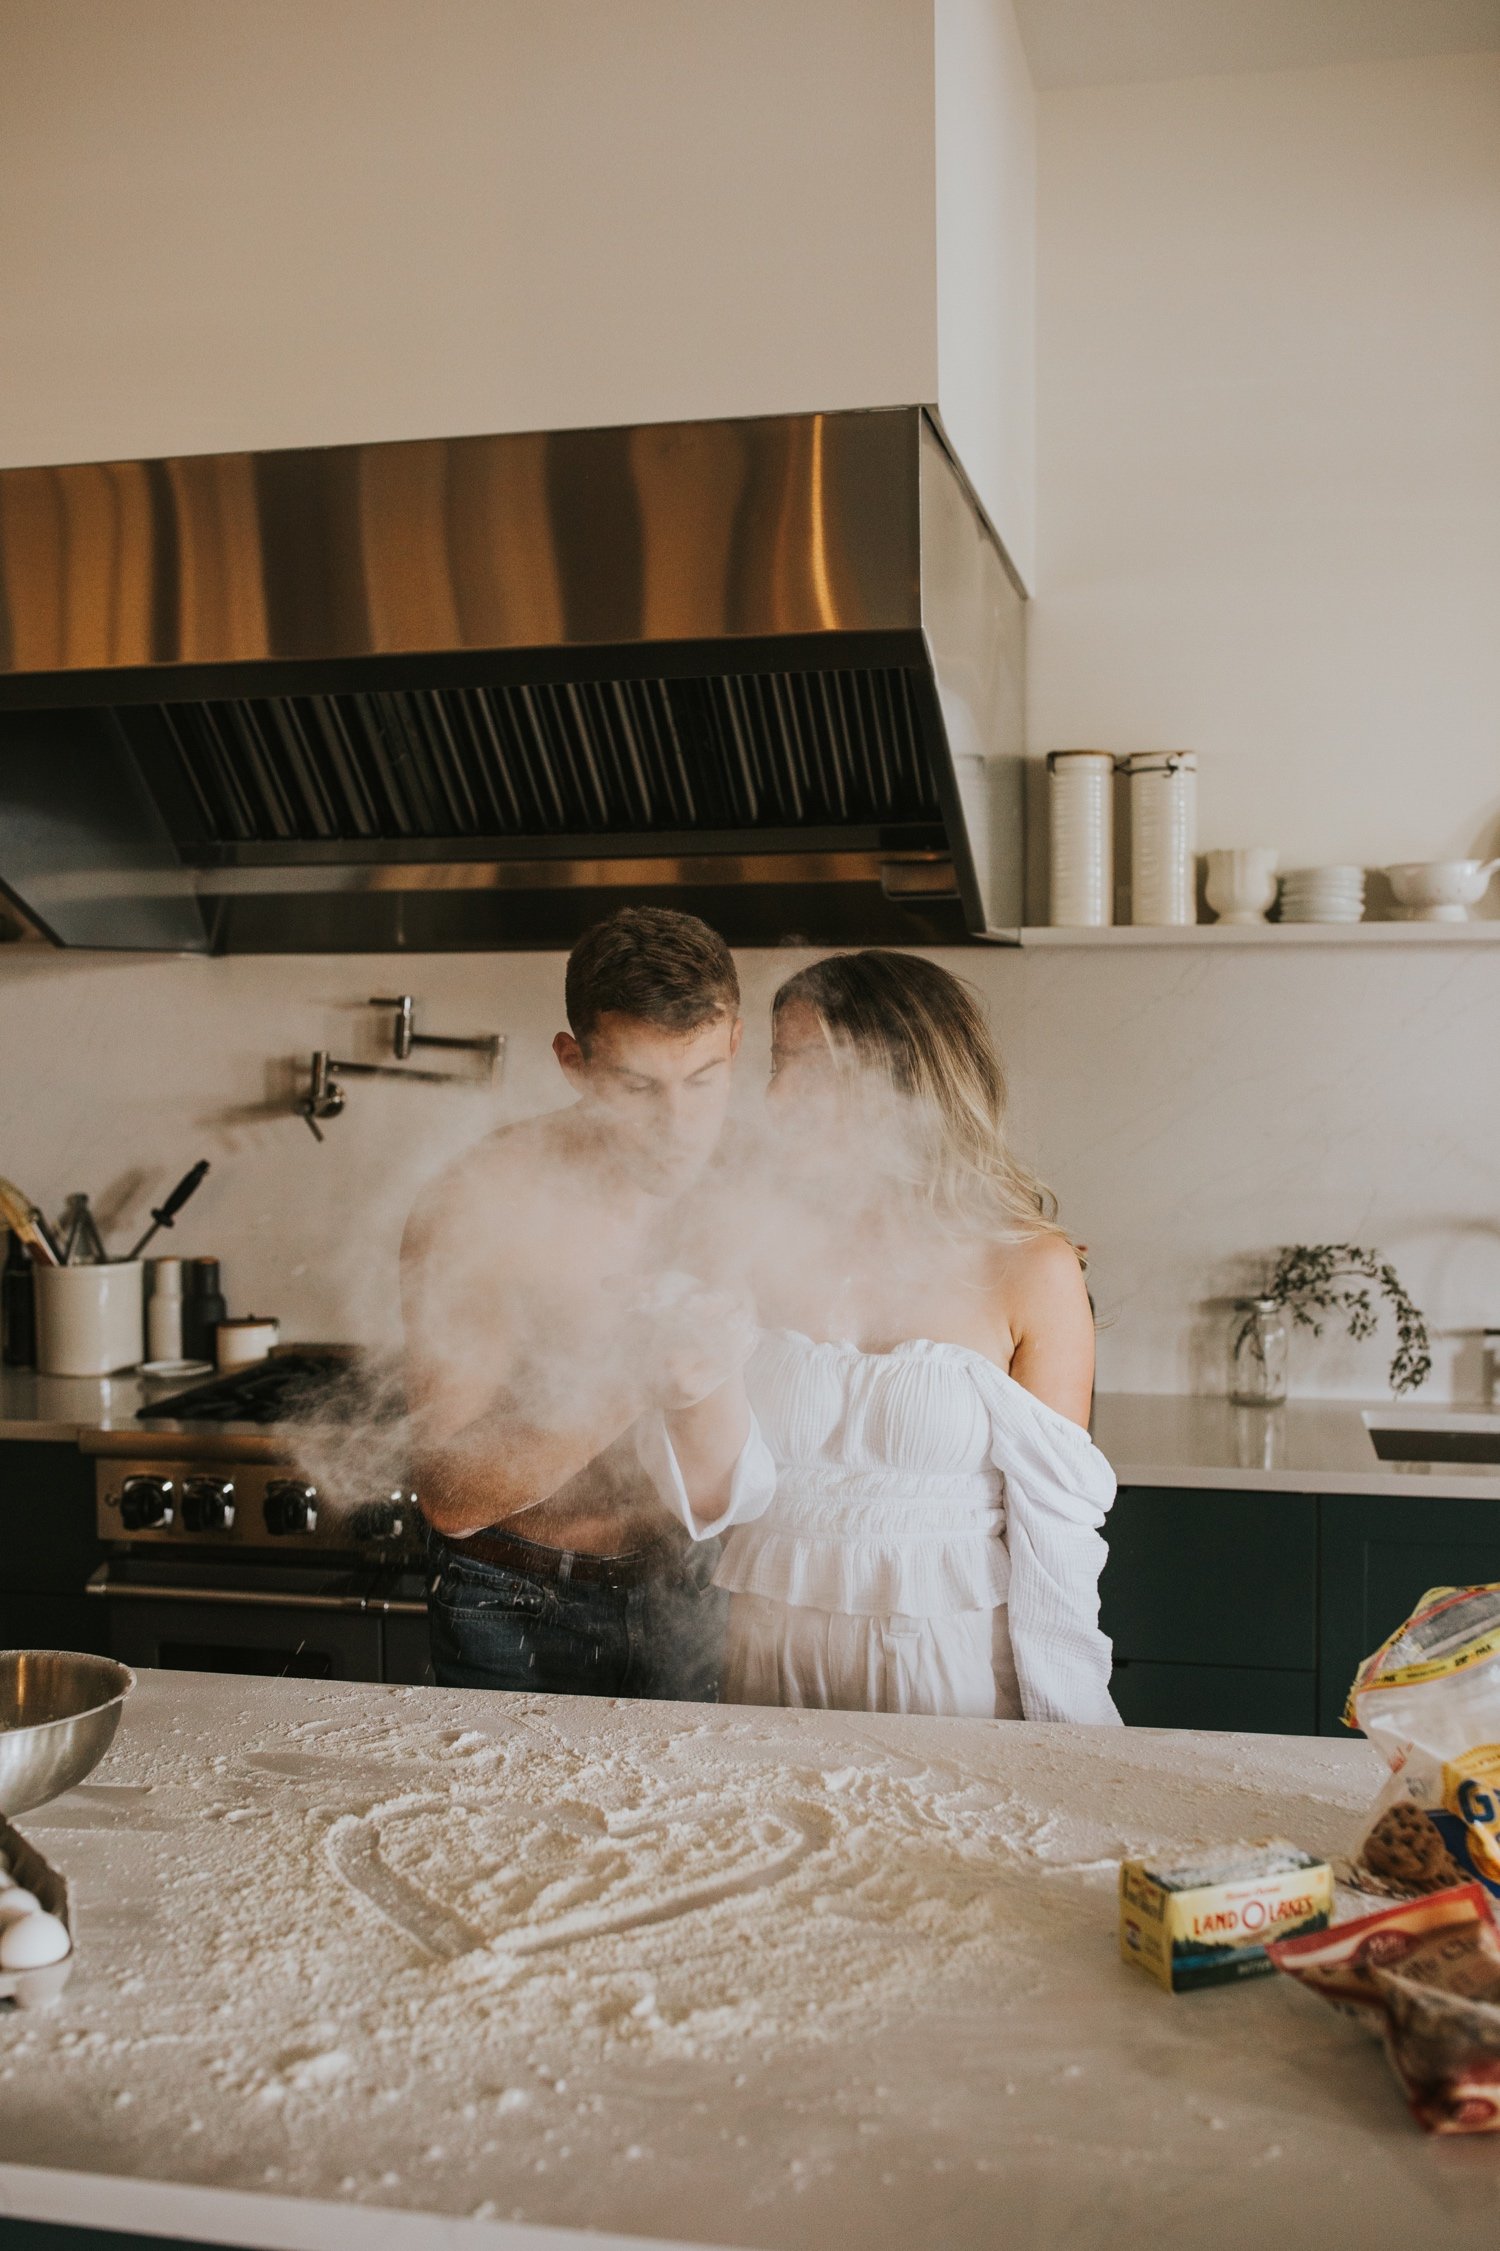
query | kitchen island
(682,1973)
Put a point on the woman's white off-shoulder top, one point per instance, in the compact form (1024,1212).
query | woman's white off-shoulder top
(922,1481)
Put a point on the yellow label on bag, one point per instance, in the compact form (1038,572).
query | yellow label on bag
(1471,1789)
(1451,1629)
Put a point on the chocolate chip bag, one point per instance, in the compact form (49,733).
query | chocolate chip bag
(1425,1975)
(1429,1700)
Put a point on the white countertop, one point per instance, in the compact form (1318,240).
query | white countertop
(1165,1438)
(1306,1446)
(61,1407)
(741,1977)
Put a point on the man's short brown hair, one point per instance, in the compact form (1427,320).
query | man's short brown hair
(654,964)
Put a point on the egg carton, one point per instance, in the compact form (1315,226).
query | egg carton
(37,1989)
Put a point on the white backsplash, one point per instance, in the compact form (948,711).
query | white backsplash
(1192,1109)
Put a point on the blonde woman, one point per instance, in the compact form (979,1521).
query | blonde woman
(921,1383)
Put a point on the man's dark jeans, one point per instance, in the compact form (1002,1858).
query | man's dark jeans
(662,1637)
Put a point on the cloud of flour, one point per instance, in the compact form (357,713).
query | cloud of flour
(803,1200)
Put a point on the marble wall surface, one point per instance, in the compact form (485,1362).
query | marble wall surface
(1193,1109)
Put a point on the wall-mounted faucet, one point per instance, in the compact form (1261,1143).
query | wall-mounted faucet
(405,1036)
(325,1097)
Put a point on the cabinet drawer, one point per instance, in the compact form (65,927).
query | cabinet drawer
(1212,1578)
(52,1621)
(47,1532)
(1236,1698)
(1379,1557)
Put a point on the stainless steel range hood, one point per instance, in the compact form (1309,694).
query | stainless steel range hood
(474,692)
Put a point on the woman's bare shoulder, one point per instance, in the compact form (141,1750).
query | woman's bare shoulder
(1040,1292)
(1040,1275)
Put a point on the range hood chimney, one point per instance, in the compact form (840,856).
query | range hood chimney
(475,692)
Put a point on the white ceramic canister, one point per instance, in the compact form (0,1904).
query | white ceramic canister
(1081,805)
(1163,836)
(90,1320)
(242,1342)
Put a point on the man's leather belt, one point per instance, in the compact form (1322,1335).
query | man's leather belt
(563,1566)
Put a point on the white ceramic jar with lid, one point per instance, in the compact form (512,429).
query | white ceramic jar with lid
(1081,803)
(1163,837)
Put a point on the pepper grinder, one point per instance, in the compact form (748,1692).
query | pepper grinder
(203,1308)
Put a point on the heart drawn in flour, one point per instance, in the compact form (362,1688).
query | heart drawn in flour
(521,1879)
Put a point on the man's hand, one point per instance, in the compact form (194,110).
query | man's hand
(697,1339)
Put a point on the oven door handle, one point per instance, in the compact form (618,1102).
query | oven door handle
(117,1590)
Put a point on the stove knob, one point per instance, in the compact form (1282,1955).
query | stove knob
(381,1521)
(207,1504)
(146,1503)
(290,1507)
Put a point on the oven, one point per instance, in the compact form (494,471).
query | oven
(222,1557)
(201,1616)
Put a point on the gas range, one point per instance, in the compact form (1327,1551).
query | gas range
(224,1556)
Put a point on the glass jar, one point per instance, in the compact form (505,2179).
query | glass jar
(1258,1353)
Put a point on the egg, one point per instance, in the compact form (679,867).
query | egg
(32,1941)
(16,1903)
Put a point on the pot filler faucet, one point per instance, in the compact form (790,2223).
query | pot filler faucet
(325,1096)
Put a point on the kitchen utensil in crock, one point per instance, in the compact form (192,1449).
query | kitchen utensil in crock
(83,1245)
(21,1216)
(165,1215)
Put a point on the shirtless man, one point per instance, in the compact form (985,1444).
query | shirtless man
(548,1325)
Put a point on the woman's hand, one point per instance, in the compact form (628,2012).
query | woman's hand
(700,1339)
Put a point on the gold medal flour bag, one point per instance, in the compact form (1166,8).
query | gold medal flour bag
(1429,1700)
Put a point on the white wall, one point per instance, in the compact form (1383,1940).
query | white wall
(986,261)
(274,224)
(1193,1111)
(1269,447)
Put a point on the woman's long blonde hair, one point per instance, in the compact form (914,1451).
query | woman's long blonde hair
(922,1034)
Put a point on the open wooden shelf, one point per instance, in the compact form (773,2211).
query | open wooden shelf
(1272,934)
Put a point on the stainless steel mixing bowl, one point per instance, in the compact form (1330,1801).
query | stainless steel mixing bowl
(58,1713)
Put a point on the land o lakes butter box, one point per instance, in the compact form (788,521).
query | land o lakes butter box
(1205,1921)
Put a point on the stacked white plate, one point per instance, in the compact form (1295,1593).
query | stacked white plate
(1323,895)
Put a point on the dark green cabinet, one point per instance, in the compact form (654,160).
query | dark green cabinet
(48,1546)
(1377,1558)
(1252,1611)
(1211,1601)
(1239,1699)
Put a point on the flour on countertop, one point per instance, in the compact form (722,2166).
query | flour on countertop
(376,1955)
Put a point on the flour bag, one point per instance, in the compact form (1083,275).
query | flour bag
(1429,1700)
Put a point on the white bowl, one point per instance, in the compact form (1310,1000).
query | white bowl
(1242,884)
(1440,890)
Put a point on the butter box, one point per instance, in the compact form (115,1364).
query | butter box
(1206,1921)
